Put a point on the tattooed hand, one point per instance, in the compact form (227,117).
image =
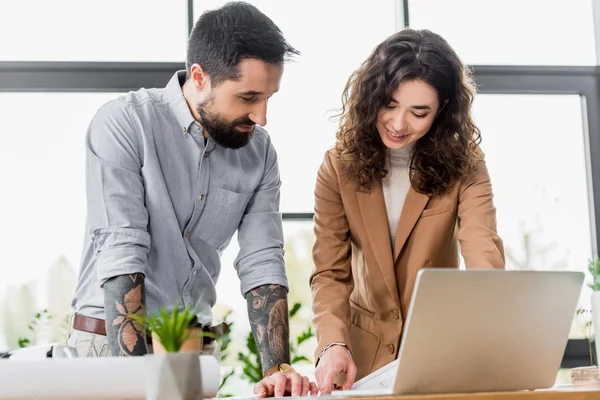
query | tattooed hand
(124,295)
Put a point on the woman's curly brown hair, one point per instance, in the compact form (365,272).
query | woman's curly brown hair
(449,150)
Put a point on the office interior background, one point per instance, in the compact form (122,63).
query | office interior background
(535,63)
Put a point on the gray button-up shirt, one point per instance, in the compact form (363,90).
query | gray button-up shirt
(163,203)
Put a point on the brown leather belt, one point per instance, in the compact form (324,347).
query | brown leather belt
(98,326)
(89,324)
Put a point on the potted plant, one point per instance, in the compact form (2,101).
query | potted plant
(594,269)
(174,332)
(173,371)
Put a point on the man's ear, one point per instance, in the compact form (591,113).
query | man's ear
(199,77)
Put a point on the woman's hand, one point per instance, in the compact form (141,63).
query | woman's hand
(334,361)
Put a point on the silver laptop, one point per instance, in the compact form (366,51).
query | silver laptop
(486,330)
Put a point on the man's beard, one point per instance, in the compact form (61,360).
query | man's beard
(222,131)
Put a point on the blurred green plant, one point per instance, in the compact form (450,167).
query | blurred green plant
(251,364)
(171,328)
(38,321)
(224,342)
(586,317)
(594,269)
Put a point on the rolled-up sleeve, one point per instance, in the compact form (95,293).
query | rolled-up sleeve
(117,217)
(260,233)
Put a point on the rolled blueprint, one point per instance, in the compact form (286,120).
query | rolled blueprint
(88,378)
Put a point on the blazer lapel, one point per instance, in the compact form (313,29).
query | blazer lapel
(414,205)
(374,216)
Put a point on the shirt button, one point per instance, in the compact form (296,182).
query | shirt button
(395,314)
(390,348)
(187,233)
(206,154)
(201,197)
(184,129)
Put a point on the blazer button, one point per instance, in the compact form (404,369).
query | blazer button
(390,348)
(395,314)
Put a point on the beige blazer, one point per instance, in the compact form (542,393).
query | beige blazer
(361,289)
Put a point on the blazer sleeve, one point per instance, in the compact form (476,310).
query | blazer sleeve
(331,281)
(480,244)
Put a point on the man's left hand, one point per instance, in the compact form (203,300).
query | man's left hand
(280,384)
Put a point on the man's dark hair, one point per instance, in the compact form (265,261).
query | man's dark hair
(222,38)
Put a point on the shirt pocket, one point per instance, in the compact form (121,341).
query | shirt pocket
(221,216)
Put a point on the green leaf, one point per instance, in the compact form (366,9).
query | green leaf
(244,358)
(252,365)
(224,343)
(304,336)
(252,371)
(251,344)
(251,375)
(225,378)
(295,309)
(24,342)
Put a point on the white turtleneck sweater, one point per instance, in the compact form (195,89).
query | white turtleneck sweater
(395,186)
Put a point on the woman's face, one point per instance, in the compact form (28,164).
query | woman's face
(409,115)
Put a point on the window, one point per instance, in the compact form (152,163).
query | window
(532,32)
(43,203)
(333,40)
(535,154)
(109,30)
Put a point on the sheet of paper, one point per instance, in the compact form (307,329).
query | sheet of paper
(83,378)
(361,393)
(381,380)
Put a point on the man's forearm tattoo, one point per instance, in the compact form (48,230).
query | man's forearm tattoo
(268,314)
(125,295)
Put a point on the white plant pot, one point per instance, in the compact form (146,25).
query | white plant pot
(172,376)
(596,322)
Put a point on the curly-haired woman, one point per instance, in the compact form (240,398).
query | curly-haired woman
(405,184)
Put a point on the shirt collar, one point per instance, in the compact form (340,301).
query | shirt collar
(177,101)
